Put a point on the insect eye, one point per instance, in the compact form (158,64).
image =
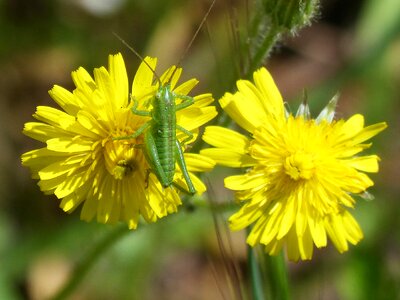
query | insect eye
(161,93)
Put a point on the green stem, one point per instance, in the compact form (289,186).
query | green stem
(278,277)
(89,259)
(256,281)
(264,50)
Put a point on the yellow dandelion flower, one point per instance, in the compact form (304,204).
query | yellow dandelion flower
(83,163)
(301,174)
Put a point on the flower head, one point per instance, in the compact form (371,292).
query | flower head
(302,172)
(82,161)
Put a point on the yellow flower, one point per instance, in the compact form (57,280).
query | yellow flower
(301,174)
(83,163)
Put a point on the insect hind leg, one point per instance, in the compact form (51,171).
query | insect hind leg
(153,159)
(182,165)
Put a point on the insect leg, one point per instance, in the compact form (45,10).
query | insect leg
(153,159)
(147,178)
(134,109)
(185,131)
(187,101)
(182,165)
(181,189)
(138,132)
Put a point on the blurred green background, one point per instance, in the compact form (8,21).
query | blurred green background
(352,47)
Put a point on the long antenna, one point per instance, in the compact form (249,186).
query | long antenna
(194,37)
(182,56)
(197,32)
(139,56)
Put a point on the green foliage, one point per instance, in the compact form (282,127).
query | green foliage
(42,42)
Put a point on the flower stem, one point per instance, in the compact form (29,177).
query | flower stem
(256,281)
(89,259)
(264,50)
(278,277)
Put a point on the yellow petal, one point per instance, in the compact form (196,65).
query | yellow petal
(353,231)
(65,99)
(40,158)
(83,81)
(95,130)
(203,100)
(226,138)
(292,248)
(198,163)
(40,131)
(256,232)
(49,186)
(120,79)
(368,132)
(353,125)
(134,195)
(160,201)
(347,200)
(105,91)
(349,151)
(306,245)
(243,111)
(248,214)
(143,81)
(228,158)
(275,247)
(249,90)
(186,87)
(172,81)
(357,183)
(57,169)
(272,99)
(105,198)
(364,163)
(289,216)
(272,227)
(244,182)
(72,201)
(69,185)
(301,216)
(336,232)
(54,117)
(89,208)
(317,230)
(69,145)
(193,117)
(197,183)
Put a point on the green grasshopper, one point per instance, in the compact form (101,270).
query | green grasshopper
(162,148)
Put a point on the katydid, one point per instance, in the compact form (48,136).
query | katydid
(161,147)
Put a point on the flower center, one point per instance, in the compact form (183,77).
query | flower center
(120,158)
(299,165)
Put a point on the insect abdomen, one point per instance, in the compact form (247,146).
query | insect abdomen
(164,131)
(165,143)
